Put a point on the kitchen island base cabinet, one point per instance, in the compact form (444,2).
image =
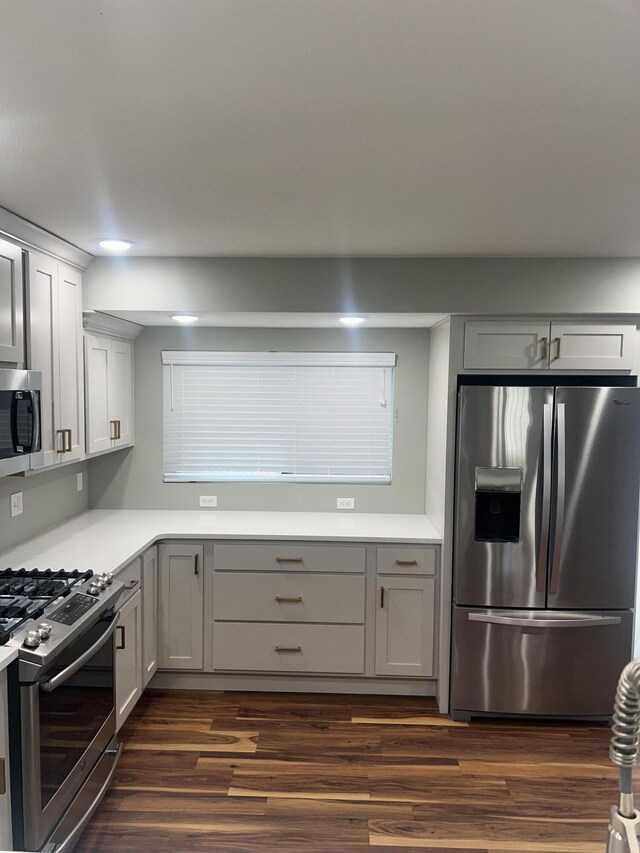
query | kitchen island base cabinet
(405,618)
(180,606)
(128,658)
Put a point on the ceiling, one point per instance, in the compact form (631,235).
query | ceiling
(325,127)
(280,320)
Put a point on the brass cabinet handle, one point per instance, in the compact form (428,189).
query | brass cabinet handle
(288,650)
(283,599)
(114,430)
(62,432)
(121,643)
(289,560)
(381,596)
(558,342)
(119,435)
(132,584)
(545,348)
(406,562)
(69,446)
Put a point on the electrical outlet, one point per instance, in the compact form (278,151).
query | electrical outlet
(16,504)
(208,500)
(79,485)
(346,503)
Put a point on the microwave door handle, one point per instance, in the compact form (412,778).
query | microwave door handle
(35,415)
(13,422)
(55,682)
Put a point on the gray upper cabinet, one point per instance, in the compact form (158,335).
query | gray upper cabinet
(108,392)
(546,345)
(11,304)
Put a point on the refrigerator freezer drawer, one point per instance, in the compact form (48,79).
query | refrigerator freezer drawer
(540,663)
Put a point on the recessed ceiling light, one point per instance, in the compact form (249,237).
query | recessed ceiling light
(115,245)
(184,318)
(352,321)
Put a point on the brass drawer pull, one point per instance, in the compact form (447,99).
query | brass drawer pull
(545,348)
(283,599)
(406,562)
(69,446)
(288,650)
(289,560)
(558,342)
(132,584)
(121,642)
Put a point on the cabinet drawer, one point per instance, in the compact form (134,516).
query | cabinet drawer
(406,561)
(289,558)
(131,577)
(288,597)
(288,648)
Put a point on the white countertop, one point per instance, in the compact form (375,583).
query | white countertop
(6,656)
(106,540)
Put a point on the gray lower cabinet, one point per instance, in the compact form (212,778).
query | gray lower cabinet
(180,606)
(405,621)
(128,658)
(149,614)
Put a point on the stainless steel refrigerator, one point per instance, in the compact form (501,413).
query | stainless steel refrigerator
(545,548)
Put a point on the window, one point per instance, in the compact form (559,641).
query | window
(278,417)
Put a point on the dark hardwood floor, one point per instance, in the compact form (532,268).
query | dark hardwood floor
(240,772)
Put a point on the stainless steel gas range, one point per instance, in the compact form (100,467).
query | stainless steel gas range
(63,746)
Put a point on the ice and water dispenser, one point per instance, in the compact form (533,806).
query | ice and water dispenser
(498,497)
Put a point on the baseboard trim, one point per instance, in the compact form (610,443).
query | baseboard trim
(293,684)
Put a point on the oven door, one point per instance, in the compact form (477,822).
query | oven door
(67,721)
(20,442)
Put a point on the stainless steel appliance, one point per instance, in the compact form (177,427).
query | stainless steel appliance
(20,443)
(61,701)
(545,548)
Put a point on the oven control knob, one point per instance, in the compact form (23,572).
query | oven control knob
(32,640)
(108,576)
(94,589)
(44,630)
(102,582)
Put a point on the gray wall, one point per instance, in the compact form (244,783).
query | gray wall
(49,498)
(133,478)
(448,285)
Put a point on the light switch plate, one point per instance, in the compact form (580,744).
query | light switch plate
(208,500)
(346,503)
(16,504)
(79,485)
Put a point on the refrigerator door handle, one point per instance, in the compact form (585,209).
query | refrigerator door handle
(562,620)
(546,499)
(561,457)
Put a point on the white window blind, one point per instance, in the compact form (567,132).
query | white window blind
(278,417)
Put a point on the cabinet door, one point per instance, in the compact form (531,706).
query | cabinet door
(43,282)
(5,786)
(120,392)
(128,664)
(506,346)
(68,363)
(405,626)
(578,346)
(97,356)
(149,614)
(180,607)
(11,318)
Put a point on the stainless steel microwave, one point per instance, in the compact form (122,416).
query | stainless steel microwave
(20,437)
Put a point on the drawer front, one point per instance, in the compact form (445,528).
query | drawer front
(131,577)
(406,561)
(269,647)
(289,558)
(288,597)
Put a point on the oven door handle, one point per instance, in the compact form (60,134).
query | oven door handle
(67,672)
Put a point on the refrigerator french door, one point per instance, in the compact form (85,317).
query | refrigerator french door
(545,548)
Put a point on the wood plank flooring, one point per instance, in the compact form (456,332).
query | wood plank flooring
(256,772)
